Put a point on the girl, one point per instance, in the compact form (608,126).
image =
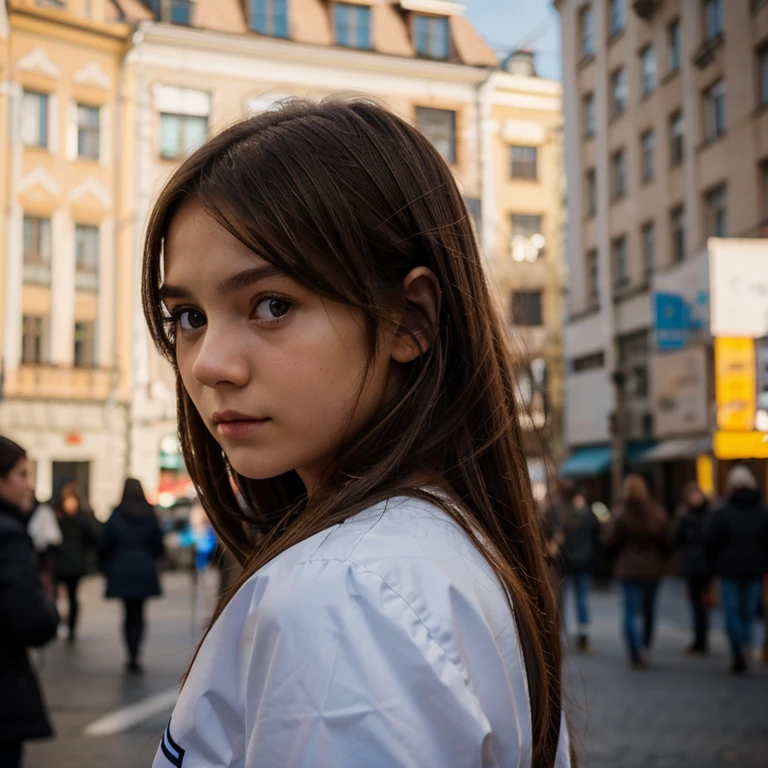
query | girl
(313,277)
(131,544)
(638,532)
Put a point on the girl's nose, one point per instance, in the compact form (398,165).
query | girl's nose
(220,361)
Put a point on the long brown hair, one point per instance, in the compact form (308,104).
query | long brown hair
(642,513)
(346,199)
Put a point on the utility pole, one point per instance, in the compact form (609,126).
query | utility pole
(618,434)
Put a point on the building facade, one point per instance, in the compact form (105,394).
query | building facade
(63,376)
(666,136)
(523,219)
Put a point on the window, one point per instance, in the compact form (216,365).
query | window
(34,119)
(587,24)
(439,126)
(716,212)
(270,17)
(762,66)
(353,25)
(648,70)
(677,229)
(86,256)
(524,162)
(591,192)
(590,116)
(619,174)
(648,244)
(85,345)
(648,152)
(589,362)
(432,36)
(37,240)
(32,340)
(673,40)
(180,12)
(714,111)
(87,131)
(525,225)
(676,132)
(617,17)
(620,91)
(593,276)
(181,134)
(714,18)
(620,261)
(527,308)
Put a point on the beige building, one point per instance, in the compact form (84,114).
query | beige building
(523,219)
(666,137)
(63,376)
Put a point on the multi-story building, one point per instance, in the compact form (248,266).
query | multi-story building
(666,144)
(522,227)
(194,68)
(63,373)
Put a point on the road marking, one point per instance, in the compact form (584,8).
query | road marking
(125,718)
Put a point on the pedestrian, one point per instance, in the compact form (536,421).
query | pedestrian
(79,539)
(44,530)
(581,535)
(313,275)
(690,540)
(28,619)
(131,544)
(638,533)
(738,545)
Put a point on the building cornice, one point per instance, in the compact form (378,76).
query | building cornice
(202,41)
(537,86)
(105,35)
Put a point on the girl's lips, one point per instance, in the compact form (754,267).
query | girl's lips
(239,428)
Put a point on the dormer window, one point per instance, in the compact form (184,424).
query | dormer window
(174,11)
(270,17)
(432,39)
(353,25)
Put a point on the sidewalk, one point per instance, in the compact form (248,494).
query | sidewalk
(681,713)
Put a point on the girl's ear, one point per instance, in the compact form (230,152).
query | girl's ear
(419,317)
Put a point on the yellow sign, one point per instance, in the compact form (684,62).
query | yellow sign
(705,475)
(735,384)
(740,445)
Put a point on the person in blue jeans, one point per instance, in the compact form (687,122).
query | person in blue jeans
(737,542)
(579,530)
(640,536)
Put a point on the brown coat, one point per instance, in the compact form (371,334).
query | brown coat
(641,552)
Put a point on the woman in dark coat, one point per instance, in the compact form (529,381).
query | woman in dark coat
(78,534)
(131,544)
(689,538)
(27,617)
(639,534)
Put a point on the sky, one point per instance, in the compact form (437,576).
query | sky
(507,24)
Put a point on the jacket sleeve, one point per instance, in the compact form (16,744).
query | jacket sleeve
(26,614)
(615,534)
(158,547)
(361,682)
(715,534)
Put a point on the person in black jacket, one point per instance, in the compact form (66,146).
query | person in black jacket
(738,545)
(131,544)
(78,532)
(689,538)
(27,617)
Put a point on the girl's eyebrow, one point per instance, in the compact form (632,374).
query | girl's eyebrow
(227,285)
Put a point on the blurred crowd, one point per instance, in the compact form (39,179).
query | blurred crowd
(718,546)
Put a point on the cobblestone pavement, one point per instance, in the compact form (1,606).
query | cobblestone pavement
(681,713)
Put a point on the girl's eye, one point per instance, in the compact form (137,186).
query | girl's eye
(190,319)
(273,308)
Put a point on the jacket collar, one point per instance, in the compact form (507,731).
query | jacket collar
(10,510)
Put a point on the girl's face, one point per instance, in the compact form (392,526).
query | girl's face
(277,373)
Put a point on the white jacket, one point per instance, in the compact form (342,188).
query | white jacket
(383,642)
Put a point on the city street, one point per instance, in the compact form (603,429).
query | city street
(682,713)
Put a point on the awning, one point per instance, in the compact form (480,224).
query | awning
(681,448)
(587,462)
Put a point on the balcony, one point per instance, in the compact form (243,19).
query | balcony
(38,272)
(55,382)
